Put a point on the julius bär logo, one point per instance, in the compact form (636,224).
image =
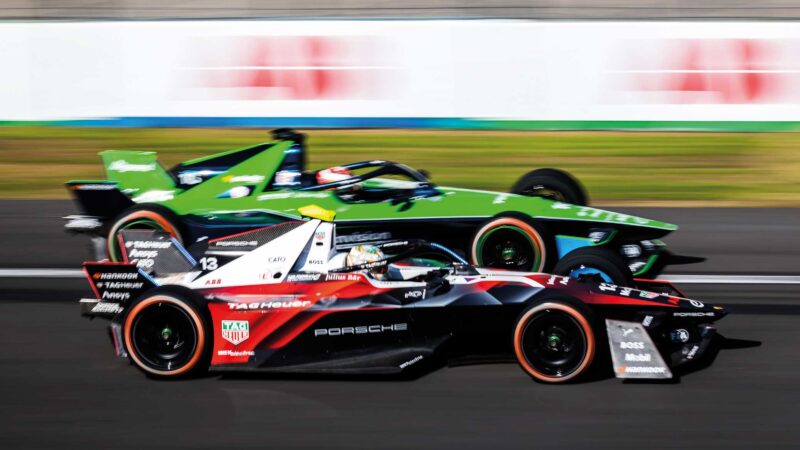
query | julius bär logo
(235,331)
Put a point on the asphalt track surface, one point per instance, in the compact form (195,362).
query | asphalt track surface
(61,386)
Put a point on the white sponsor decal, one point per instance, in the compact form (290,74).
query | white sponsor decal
(693,314)
(107,308)
(238,192)
(117,275)
(643,369)
(123,166)
(413,360)
(557,279)
(148,244)
(631,345)
(236,243)
(121,285)
(366,329)
(235,353)
(638,357)
(245,179)
(415,294)
(500,199)
(190,178)
(293,304)
(300,277)
(145,263)
(342,277)
(363,237)
(154,196)
(281,195)
(136,253)
(95,187)
(121,296)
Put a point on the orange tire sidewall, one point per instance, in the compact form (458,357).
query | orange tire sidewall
(587,331)
(522,225)
(165,224)
(201,334)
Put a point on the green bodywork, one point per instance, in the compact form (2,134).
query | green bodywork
(139,176)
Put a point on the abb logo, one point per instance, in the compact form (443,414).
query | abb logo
(290,67)
(713,71)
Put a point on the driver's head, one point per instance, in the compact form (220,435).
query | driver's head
(333,174)
(364,254)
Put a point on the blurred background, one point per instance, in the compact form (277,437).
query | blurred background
(684,111)
(643,108)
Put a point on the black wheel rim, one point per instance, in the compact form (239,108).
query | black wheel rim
(164,336)
(509,248)
(540,190)
(554,343)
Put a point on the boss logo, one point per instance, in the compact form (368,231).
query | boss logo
(631,345)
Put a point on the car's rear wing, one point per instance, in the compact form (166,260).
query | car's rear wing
(99,201)
(136,172)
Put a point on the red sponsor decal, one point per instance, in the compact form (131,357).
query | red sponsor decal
(712,71)
(289,67)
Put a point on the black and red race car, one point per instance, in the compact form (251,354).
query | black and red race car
(285,298)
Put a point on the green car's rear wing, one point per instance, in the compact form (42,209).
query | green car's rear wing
(136,172)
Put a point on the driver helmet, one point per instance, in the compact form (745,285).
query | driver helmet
(364,254)
(333,174)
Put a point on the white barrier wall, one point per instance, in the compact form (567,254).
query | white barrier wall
(401,71)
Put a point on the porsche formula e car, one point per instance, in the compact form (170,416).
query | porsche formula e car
(266,184)
(285,299)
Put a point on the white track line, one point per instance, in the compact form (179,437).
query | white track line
(682,279)
(41,273)
(732,279)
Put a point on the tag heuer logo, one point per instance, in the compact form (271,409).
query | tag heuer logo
(235,331)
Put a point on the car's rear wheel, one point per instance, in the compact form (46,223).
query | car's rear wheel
(598,264)
(150,217)
(167,335)
(555,341)
(511,243)
(552,184)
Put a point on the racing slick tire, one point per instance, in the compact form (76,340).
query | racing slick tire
(552,184)
(557,340)
(599,264)
(512,243)
(167,334)
(154,217)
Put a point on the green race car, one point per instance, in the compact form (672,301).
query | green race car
(543,227)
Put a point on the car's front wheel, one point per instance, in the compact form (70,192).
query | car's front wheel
(555,341)
(167,335)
